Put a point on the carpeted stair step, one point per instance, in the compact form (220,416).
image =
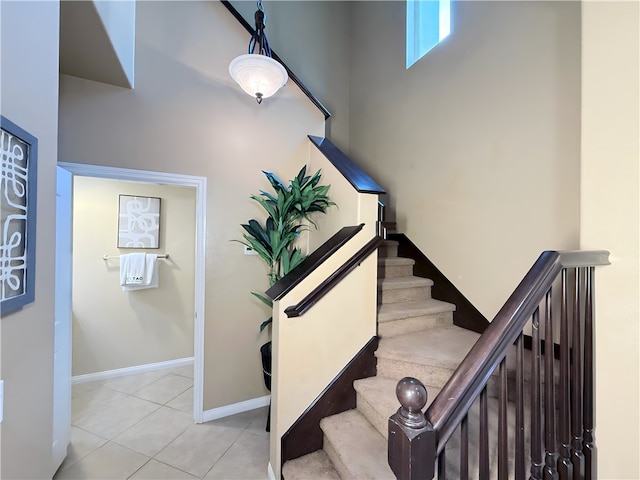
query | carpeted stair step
(390,267)
(377,401)
(406,317)
(388,248)
(314,466)
(403,289)
(355,447)
(430,355)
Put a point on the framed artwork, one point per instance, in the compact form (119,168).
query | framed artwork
(138,222)
(18,155)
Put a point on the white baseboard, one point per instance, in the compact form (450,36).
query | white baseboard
(121,372)
(234,408)
(270,473)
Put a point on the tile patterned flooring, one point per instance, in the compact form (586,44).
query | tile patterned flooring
(141,427)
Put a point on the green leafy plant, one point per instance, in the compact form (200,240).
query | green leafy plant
(288,209)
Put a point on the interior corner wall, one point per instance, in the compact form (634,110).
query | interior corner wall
(29,98)
(478,143)
(114,329)
(119,20)
(610,210)
(187,116)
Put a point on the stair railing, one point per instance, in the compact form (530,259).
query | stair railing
(417,441)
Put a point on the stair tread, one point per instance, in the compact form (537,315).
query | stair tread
(362,449)
(395,261)
(314,466)
(392,311)
(398,283)
(439,346)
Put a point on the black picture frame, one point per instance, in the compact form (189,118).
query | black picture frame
(18,202)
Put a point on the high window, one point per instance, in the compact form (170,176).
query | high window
(428,23)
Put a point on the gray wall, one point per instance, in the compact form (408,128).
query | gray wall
(29,98)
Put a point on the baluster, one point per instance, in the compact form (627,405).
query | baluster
(536,420)
(589,441)
(464,448)
(577,457)
(484,435)
(412,440)
(503,440)
(519,467)
(442,465)
(565,467)
(550,472)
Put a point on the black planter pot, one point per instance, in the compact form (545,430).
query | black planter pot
(265,354)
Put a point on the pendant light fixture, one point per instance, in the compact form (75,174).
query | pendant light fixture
(257,73)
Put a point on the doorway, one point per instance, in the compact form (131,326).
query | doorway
(62,360)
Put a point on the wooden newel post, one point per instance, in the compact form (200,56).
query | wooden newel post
(412,440)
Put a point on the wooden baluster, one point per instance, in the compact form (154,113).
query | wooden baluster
(442,465)
(577,457)
(589,441)
(464,448)
(520,462)
(484,436)
(550,471)
(412,440)
(536,417)
(565,467)
(503,439)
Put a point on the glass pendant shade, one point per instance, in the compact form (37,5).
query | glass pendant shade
(258,75)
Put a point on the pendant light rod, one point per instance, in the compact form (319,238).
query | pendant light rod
(227,4)
(258,38)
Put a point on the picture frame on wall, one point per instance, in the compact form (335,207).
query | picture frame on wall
(138,222)
(18,190)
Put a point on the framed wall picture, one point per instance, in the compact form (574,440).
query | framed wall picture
(18,155)
(138,222)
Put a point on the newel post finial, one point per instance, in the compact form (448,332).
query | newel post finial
(412,440)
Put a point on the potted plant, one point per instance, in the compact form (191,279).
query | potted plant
(289,209)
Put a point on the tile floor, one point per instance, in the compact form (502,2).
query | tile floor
(141,427)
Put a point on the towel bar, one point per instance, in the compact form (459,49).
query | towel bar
(107,257)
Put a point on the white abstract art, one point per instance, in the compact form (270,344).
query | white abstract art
(138,222)
(18,153)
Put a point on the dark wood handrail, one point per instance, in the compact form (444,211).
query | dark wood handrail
(357,177)
(275,56)
(313,261)
(456,397)
(336,277)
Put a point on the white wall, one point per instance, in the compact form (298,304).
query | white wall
(29,98)
(114,329)
(187,116)
(477,143)
(610,216)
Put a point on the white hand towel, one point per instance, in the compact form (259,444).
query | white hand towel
(132,269)
(149,277)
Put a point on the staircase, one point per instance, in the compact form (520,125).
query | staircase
(417,339)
